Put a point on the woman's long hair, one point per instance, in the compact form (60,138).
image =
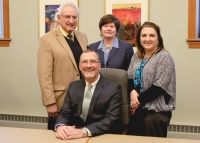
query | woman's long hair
(141,50)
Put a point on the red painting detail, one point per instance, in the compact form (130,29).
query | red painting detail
(130,19)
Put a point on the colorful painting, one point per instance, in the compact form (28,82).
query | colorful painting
(1,19)
(131,15)
(130,18)
(50,17)
(198,18)
(48,9)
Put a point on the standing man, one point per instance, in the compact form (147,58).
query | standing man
(92,105)
(58,59)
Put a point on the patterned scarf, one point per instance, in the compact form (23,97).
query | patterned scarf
(138,77)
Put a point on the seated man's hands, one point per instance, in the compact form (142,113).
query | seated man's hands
(68,132)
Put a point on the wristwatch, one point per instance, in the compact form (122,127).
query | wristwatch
(84,132)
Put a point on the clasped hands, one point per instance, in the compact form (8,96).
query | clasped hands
(68,132)
(134,102)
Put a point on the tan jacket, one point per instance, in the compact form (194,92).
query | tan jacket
(57,66)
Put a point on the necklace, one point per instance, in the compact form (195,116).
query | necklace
(138,73)
(149,56)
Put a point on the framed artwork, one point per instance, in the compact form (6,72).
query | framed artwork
(47,14)
(198,18)
(193,24)
(4,24)
(131,13)
(1,19)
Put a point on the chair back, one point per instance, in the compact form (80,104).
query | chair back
(121,77)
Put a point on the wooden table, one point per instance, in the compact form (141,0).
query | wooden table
(110,138)
(22,135)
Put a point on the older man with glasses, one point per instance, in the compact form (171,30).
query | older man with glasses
(58,59)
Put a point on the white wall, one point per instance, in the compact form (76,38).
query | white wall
(90,13)
(173,20)
(19,88)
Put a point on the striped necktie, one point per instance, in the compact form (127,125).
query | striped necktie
(70,37)
(86,102)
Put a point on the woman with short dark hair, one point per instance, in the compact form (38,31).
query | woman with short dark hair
(113,53)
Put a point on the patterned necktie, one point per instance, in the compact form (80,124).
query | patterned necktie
(70,37)
(86,102)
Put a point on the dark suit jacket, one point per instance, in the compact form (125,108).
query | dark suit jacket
(118,57)
(104,111)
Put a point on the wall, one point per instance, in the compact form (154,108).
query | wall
(19,89)
(173,20)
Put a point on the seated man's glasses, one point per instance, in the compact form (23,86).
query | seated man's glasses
(85,62)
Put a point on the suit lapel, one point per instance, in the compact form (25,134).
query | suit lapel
(96,94)
(65,45)
(80,40)
(101,56)
(112,53)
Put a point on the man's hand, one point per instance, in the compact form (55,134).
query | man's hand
(62,132)
(68,132)
(52,110)
(74,133)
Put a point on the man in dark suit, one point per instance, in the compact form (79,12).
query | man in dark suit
(80,117)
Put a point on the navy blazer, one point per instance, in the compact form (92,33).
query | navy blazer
(118,58)
(104,111)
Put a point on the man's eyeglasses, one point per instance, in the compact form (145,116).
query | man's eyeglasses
(68,17)
(89,62)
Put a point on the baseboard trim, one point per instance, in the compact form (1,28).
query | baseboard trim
(39,119)
(23,118)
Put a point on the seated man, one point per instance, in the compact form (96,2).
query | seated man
(92,105)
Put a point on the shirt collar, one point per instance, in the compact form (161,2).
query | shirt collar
(64,32)
(93,83)
(115,44)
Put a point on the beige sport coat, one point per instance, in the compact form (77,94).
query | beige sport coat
(57,66)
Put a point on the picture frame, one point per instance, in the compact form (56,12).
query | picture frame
(47,14)
(1,20)
(193,24)
(131,13)
(4,24)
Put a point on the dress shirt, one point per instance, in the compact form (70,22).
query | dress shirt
(107,50)
(93,84)
(65,33)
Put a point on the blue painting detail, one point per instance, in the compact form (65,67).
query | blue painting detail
(1,19)
(198,18)
(50,13)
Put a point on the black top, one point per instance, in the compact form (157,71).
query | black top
(76,50)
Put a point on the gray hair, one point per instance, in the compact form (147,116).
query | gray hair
(70,4)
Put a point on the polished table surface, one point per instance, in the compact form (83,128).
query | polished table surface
(110,138)
(22,135)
